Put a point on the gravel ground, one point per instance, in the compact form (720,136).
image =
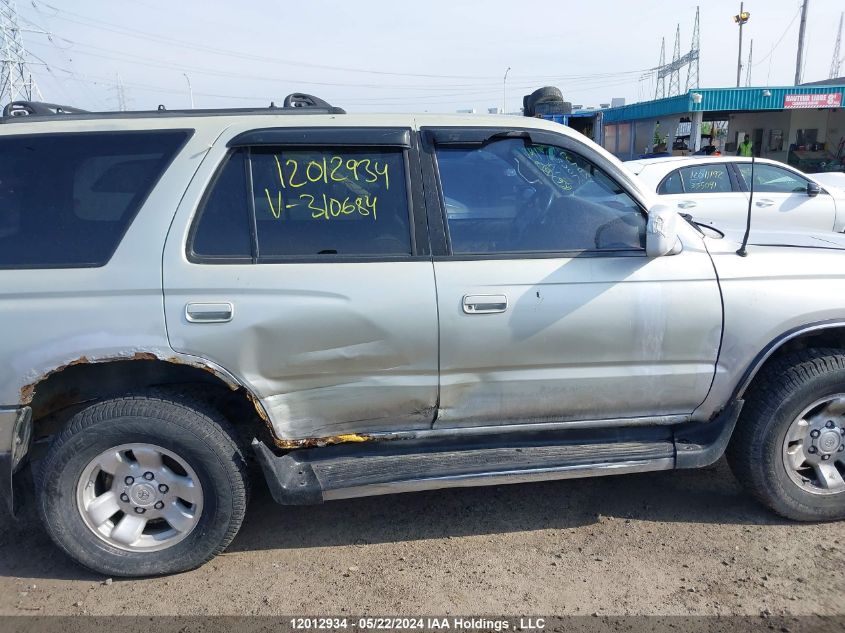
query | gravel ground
(689,542)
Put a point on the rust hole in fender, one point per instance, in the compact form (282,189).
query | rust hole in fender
(312,442)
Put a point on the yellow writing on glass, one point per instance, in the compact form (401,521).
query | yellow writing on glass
(298,173)
(360,174)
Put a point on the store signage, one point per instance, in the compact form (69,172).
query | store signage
(827,100)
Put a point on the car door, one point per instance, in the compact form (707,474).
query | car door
(549,308)
(782,200)
(709,192)
(295,263)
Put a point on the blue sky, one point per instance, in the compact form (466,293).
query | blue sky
(378,55)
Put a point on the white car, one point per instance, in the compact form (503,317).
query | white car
(715,190)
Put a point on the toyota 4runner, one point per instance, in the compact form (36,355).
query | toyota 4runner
(373,304)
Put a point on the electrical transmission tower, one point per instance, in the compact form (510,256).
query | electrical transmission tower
(16,82)
(660,85)
(673,69)
(695,47)
(836,62)
(121,93)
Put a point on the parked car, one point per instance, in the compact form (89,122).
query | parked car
(373,304)
(716,190)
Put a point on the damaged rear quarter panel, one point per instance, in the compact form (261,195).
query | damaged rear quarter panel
(54,317)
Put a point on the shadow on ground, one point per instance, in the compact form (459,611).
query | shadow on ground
(710,495)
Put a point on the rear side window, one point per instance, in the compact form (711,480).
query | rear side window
(66,200)
(706,179)
(307,203)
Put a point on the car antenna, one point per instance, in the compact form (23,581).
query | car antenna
(742,252)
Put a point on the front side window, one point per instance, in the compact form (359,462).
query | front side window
(66,200)
(771,179)
(306,202)
(511,196)
(706,179)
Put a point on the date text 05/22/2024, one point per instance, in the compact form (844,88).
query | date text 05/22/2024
(453,623)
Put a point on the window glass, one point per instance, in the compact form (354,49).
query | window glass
(510,196)
(672,184)
(330,202)
(771,179)
(223,229)
(706,179)
(67,199)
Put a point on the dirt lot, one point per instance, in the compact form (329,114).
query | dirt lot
(662,543)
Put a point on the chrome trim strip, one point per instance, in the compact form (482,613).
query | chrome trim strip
(504,477)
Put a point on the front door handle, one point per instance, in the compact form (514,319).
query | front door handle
(687,204)
(209,312)
(765,202)
(485,304)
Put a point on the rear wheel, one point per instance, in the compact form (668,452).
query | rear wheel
(141,486)
(789,446)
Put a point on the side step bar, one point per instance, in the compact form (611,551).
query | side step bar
(314,475)
(344,471)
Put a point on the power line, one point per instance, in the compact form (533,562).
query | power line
(16,82)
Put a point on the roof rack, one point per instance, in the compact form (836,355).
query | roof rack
(295,103)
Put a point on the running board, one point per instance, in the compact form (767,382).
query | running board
(314,475)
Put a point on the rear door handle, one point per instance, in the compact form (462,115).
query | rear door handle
(765,202)
(209,312)
(687,204)
(485,304)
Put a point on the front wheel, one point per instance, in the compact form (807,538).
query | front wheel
(789,445)
(142,486)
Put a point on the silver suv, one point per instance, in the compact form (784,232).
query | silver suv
(367,305)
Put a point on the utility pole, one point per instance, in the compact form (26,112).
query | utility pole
(741,18)
(191,90)
(748,70)
(16,82)
(121,94)
(801,29)
(504,92)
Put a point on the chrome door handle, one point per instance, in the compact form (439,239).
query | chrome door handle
(687,204)
(485,304)
(209,312)
(765,203)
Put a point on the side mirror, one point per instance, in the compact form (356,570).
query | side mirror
(813,189)
(661,233)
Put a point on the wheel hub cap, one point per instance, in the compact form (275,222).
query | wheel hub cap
(143,495)
(139,497)
(814,447)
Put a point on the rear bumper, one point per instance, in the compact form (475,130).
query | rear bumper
(15,438)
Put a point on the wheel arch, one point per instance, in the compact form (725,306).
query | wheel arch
(829,334)
(67,386)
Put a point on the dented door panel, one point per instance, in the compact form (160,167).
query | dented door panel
(582,338)
(328,348)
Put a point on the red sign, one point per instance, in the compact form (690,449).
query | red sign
(829,100)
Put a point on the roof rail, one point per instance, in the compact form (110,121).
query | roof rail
(295,103)
(27,108)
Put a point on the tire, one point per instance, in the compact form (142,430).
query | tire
(792,429)
(199,486)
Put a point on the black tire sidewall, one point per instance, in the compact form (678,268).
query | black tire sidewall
(788,498)
(58,483)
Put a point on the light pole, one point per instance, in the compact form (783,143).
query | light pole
(741,18)
(505,92)
(190,89)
